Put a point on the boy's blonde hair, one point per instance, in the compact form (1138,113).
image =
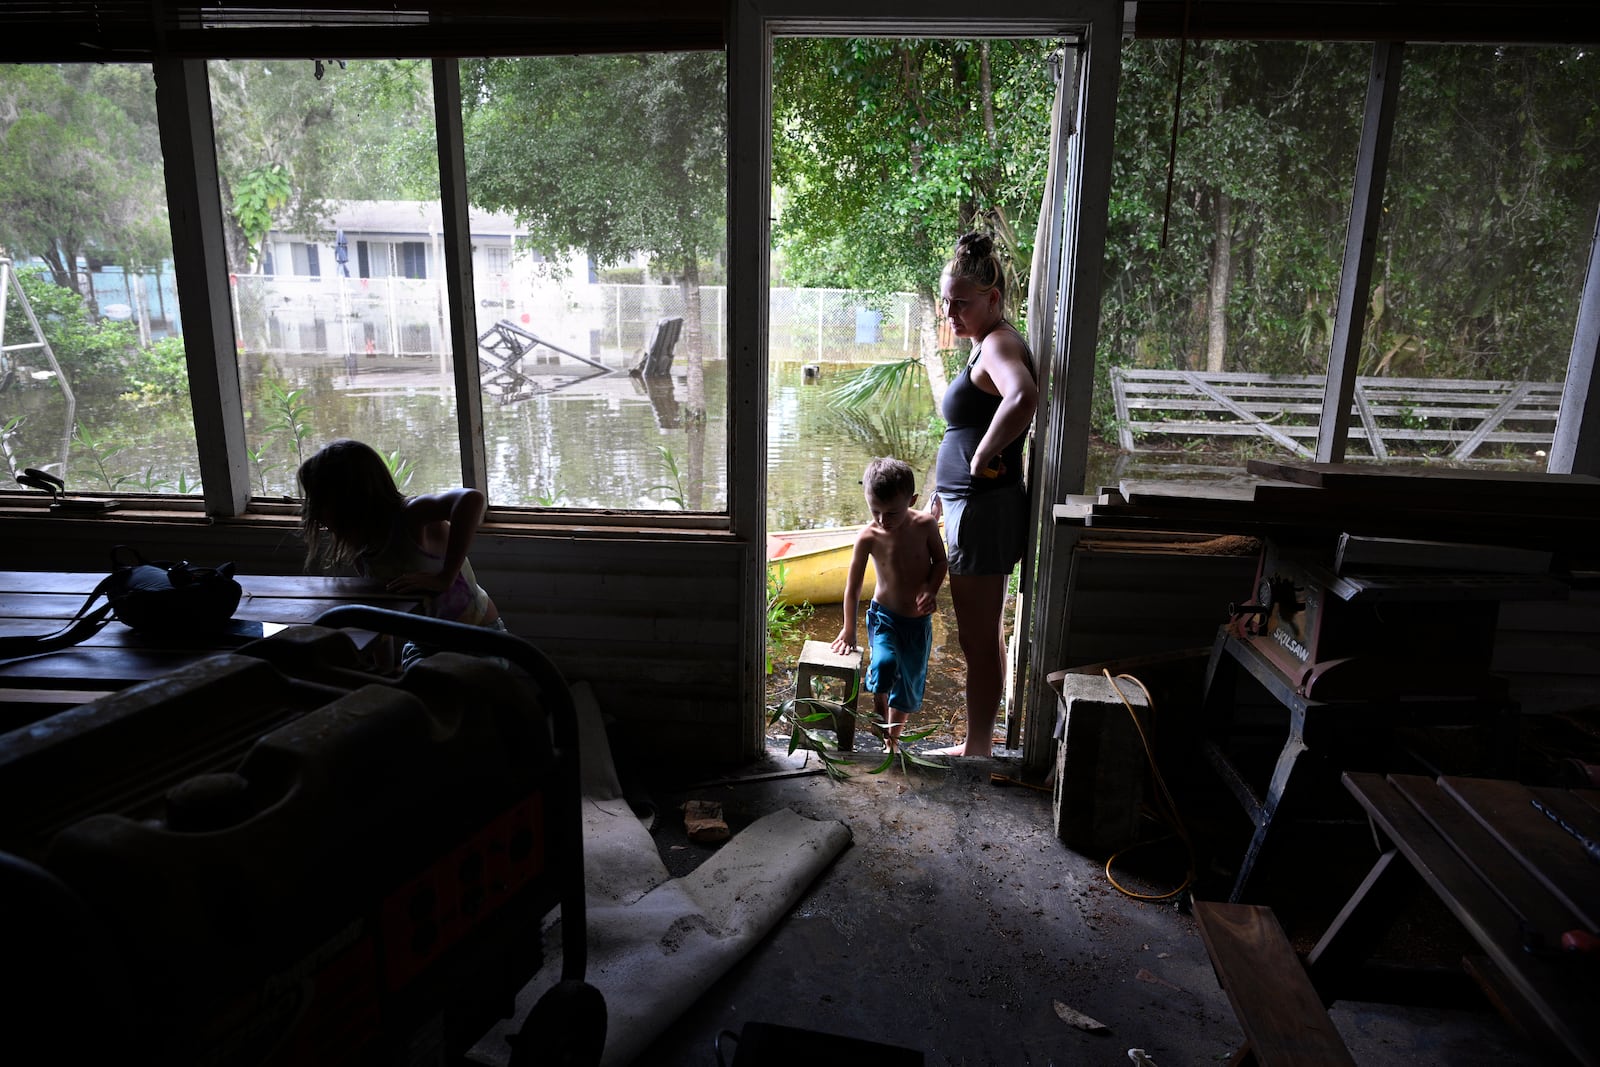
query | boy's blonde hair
(887,478)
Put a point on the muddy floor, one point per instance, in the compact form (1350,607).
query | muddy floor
(959,926)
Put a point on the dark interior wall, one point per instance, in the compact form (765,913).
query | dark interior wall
(652,624)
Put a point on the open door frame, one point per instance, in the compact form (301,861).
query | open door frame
(1076,230)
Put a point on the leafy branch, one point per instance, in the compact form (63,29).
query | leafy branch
(288,411)
(256,195)
(674,489)
(401,469)
(799,715)
(99,452)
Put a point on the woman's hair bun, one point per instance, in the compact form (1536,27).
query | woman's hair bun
(978,245)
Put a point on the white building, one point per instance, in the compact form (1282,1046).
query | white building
(374,282)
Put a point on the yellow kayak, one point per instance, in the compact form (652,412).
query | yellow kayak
(815,564)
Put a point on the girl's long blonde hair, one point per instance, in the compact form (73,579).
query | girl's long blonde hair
(347,491)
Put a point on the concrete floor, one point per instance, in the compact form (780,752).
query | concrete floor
(957,921)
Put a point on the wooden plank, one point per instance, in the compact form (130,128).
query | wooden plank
(95,666)
(1274,402)
(1119,395)
(1504,996)
(1369,422)
(28,695)
(1484,390)
(1506,810)
(1427,481)
(1519,885)
(1460,505)
(1156,494)
(81,583)
(1355,552)
(1496,408)
(1565,1006)
(1283,1019)
(1491,422)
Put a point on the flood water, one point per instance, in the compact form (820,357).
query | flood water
(606,441)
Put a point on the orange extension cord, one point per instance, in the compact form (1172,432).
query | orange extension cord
(1166,810)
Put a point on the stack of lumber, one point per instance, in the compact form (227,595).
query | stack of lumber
(1559,513)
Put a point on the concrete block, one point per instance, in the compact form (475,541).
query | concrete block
(1102,774)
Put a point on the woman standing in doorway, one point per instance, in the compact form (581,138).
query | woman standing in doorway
(978,475)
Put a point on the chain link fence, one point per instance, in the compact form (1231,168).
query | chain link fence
(392,316)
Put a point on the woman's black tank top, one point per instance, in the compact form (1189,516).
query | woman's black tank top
(968,411)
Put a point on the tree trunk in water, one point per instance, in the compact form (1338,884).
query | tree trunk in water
(691,337)
(694,477)
(1221,282)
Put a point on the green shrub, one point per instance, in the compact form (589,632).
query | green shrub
(84,348)
(160,370)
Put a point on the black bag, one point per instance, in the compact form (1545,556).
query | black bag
(162,598)
(158,598)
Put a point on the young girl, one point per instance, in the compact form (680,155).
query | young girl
(413,544)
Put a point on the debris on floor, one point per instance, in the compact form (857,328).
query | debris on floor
(703,820)
(1080,1020)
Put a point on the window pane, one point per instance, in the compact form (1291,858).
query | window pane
(1490,202)
(601,181)
(1244,288)
(332,220)
(98,394)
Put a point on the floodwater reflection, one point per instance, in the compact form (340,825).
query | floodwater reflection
(583,440)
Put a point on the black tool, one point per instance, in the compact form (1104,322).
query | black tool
(34,478)
(1590,845)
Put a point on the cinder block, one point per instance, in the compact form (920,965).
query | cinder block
(1102,773)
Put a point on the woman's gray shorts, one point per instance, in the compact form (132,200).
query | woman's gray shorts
(986,533)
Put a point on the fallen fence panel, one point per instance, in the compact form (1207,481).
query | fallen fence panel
(1462,414)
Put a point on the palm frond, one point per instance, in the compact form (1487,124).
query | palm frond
(879,383)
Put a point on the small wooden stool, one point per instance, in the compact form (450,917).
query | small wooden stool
(818,660)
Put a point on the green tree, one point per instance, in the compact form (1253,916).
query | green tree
(80,167)
(1247,276)
(1489,200)
(1495,182)
(886,150)
(616,155)
(289,142)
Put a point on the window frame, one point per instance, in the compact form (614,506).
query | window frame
(199,258)
(178,39)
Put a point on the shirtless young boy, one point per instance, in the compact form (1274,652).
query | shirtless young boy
(907,552)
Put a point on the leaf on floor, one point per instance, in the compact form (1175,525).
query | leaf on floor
(1080,1020)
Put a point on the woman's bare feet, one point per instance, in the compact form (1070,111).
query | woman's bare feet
(967,748)
(959,750)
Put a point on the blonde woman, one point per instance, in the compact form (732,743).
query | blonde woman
(978,487)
